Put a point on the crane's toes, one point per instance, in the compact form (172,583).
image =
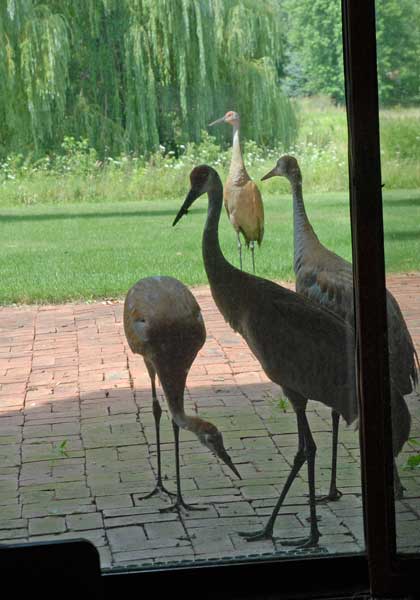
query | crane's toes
(159,490)
(309,542)
(332,496)
(255,536)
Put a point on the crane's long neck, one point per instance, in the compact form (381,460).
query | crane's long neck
(303,233)
(187,422)
(222,276)
(237,171)
(174,393)
(215,263)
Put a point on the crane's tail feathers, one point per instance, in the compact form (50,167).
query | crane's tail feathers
(401,421)
(415,375)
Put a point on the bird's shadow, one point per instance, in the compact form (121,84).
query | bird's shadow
(393,236)
(9,218)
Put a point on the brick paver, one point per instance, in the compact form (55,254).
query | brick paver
(78,451)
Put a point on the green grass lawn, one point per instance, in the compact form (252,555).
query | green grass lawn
(87,251)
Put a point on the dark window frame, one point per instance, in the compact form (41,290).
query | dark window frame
(381,571)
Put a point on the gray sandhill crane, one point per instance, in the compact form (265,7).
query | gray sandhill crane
(242,197)
(163,323)
(327,279)
(299,344)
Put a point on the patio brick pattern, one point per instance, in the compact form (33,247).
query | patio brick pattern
(78,452)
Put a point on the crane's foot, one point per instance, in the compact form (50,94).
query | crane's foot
(309,542)
(158,490)
(255,536)
(399,492)
(333,495)
(180,505)
(267,534)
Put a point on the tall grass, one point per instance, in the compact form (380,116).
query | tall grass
(76,174)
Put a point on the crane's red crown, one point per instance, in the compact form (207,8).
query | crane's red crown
(231,116)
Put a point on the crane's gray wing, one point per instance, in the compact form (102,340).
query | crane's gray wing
(329,287)
(325,353)
(403,358)
(302,346)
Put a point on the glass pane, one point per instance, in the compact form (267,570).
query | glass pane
(398,39)
(110,112)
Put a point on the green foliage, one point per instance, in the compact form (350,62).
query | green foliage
(413,461)
(34,70)
(400,133)
(315,55)
(314,45)
(283,404)
(128,75)
(62,449)
(75,173)
(398,41)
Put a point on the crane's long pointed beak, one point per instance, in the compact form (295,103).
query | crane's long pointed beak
(224,456)
(270,174)
(192,195)
(221,120)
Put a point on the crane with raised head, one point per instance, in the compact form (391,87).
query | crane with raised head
(242,197)
(299,344)
(327,279)
(163,323)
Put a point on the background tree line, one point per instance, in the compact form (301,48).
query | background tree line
(314,51)
(128,75)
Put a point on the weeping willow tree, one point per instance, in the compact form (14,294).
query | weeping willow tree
(130,74)
(34,60)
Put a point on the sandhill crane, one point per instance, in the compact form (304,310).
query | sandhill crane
(327,279)
(242,197)
(163,323)
(299,344)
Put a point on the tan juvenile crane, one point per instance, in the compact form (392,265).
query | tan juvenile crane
(163,323)
(327,279)
(242,197)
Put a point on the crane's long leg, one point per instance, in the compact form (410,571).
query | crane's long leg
(157,413)
(179,502)
(306,451)
(239,249)
(310,451)
(252,246)
(334,493)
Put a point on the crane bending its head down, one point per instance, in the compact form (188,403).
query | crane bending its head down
(163,323)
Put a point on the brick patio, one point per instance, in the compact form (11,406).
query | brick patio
(77,443)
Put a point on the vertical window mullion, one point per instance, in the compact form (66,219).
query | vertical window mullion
(369,279)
